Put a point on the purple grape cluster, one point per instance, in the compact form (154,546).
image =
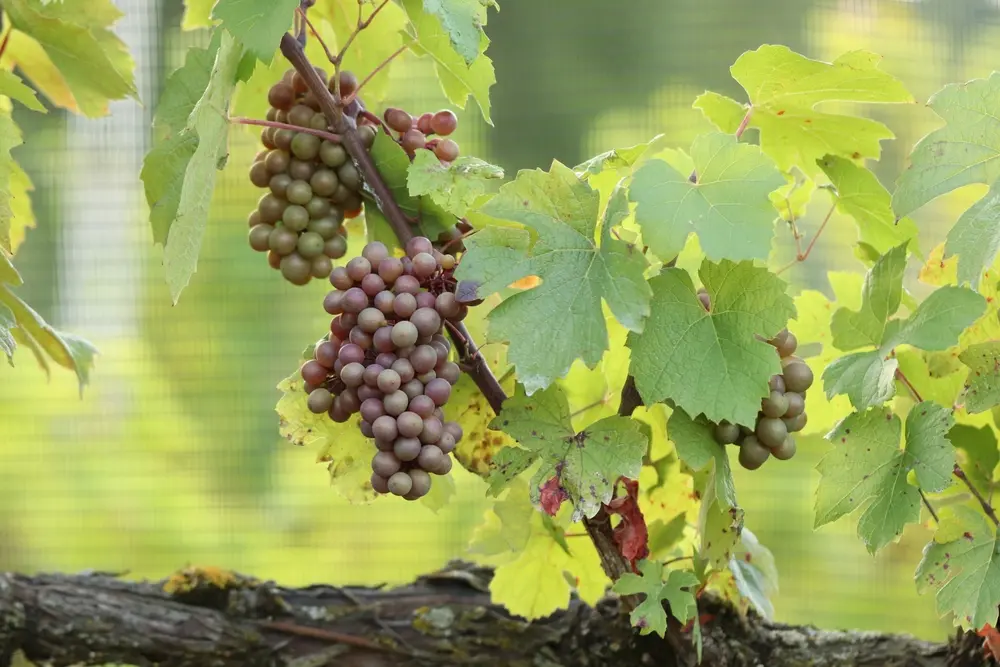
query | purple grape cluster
(387,358)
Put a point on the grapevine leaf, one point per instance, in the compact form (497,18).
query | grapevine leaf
(963,564)
(727,206)
(551,325)
(860,196)
(12,86)
(67,350)
(342,447)
(7,325)
(257,24)
(75,36)
(22,217)
(677,590)
(785,88)
(975,238)
(371,48)
(711,362)
(461,19)
(867,469)
(394,165)
(938,321)
(978,447)
(603,172)
(966,150)
(792,200)
(755,573)
(866,378)
(697,447)
(719,527)
(880,299)
(983,384)
(197,14)
(454,187)
(10,137)
(479,445)
(458,78)
(587,464)
(507,465)
(724,112)
(179,173)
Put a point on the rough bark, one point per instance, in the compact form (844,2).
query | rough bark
(218,619)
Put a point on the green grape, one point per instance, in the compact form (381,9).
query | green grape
(318,207)
(326,227)
(305,146)
(774,405)
(796,404)
(298,192)
(798,376)
(795,424)
(283,241)
(301,170)
(296,269)
(300,115)
(259,175)
(310,245)
(726,433)
(321,266)
(336,247)
(318,122)
(295,217)
(331,154)
(279,183)
(771,432)
(253,219)
(340,195)
(752,453)
(349,176)
(785,450)
(367,134)
(259,237)
(283,138)
(324,182)
(277,161)
(271,208)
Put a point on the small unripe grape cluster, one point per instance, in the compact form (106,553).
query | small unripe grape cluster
(415,132)
(781,414)
(313,185)
(387,358)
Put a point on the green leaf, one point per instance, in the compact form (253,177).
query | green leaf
(342,447)
(257,24)
(939,320)
(719,527)
(880,299)
(67,350)
(506,466)
(454,187)
(963,564)
(966,150)
(867,378)
(975,238)
(197,14)
(586,464)
(860,195)
(179,174)
(458,78)
(867,469)
(983,384)
(561,320)
(724,112)
(785,88)
(10,137)
(394,166)
(727,207)
(463,21)
(697,447)
(979,450)
(678,591)
(12,86)
(7,325)
(75,35)
(711,362)
(755,573)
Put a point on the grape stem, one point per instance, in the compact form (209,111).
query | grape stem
(803,256)
(599,526)
(329,54)
(744,123)
(350,98)
(329,136)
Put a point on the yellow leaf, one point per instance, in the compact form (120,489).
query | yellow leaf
(20,206)
(938,271)
(197,14)
(37,67)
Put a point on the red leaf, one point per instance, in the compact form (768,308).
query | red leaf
(552,496)
(631,534)
(991,641)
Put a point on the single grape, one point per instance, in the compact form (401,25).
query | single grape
(277,161)
(726,433)
(424,265)
(384,428)
(385,464)
(358,268)
(449,372)
(313,372)
(340,279)
(361,338)
(353,374)
(796,423)
(412,389)
(389,269)
(444,122)
(405,370)
(295,218)
(350,354)
(454,429)
(349,176)
(417,245)
(382,340)
(777,383)
(447,442)
(446,305)
(281,96)
(421,484)
(367,134)
(384,301)
(300,115)
(404,305)
(785,450)
(318,207)
(271,208)
(439,390)
(771,432)
(253,219)
(425,300)
(411,140)
(787,345)
(798,377)
(389,381)
(355,300)
(331,154)
(332,302)
(447,150)
(371,374)
(260,237)
(431,458)
(400,484)
(444,467)
(706,300)
(752,453)
(432,430)
(371,409)
(410,424)
(310,245)
(366,429)
(283,139)
(339,328)
(395,403)
(379,484)
(424,123)
(423,359)
(385,359)
(375,252)
(326,227)
(427,377)
(296,269)
(302,170)
(365,392)
(319,122)
(406,449)
(348,84)
(397,119)
(349,400)
(796,404)
(406,284)
(320,401)
(404,333)
(273,260)
(259,175)
(324,182)
(371,319)
(336,247)
(442,349)
(372,285)
(427,322)
(278,184)
(774,405)
(423,406)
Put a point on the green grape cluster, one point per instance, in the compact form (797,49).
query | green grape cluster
(387,358)
(313,184)
(781,414)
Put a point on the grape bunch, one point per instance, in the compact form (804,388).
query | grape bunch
(781,414)
(414,132)
(313,184)
(386,357)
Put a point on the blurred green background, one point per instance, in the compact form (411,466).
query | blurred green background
(172,456)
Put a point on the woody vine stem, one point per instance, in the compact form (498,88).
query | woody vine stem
(599,527)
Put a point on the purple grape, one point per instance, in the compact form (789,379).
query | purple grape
(422,405)
(406,449)
(405,352)
(371,374)
(349,401)
(360,338)
(427,321)
(447,305)
(326,353)
(388,381)
(444,468)
(390,269)
(372,409)
(395,403)
(358,268)
(427,377)
(375,252)
(385,359)
(372,284)
(409,424)
(431,458)
(424,265)
(412,389)
(449,371)
(404,333)
(423,359)
(417,245)
(384,428)
(314,372)
(366,429)
(379,484)
(384,301)
(404,368)
(432,431)
(333,302)
(337,413)
(426,300)
(340,279)
(447,443)
(385,464)
(406,285)
(355,300)
(382,340)
(404,305)
(442,349)
(320,400)
(370,319)
(454,429)
(365,392)
(353,374)
(421,484)
(351,354)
